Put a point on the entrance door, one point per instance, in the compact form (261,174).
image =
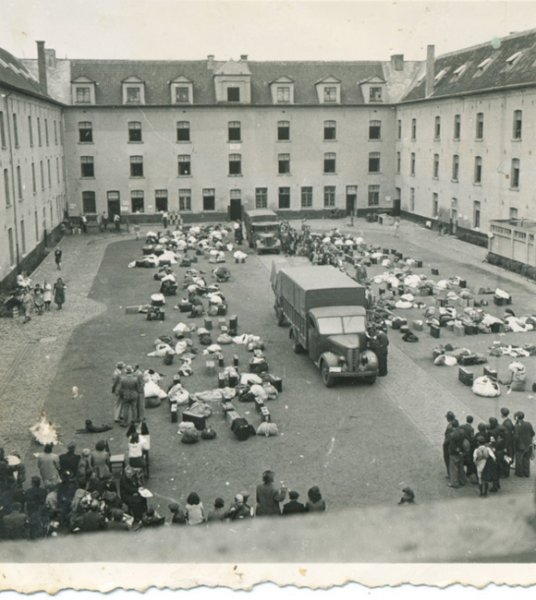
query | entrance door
(114,208)
(396,203)
(351,200)
(235,209)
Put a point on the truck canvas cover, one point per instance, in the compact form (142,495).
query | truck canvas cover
(256,216)
(309,287)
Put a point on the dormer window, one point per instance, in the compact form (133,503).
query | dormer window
(181,91)
(233,94)
(282,90)
(457,73)
(511,60)
(481,67)
(440,75)
(232,82)
(83,91)
(133,91)
(373,90)
(329,90)
(375,94)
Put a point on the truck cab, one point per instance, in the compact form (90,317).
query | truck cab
(263,231)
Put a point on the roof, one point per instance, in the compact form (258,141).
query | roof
(338,311)
(321,277)
(15,75)
(261,212)
(492,65)
(157,75)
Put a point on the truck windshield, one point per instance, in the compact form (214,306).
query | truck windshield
(338,325)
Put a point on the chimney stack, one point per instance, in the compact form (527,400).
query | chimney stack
(42,66)
(429,80)
(397,62)
(210,62)
(243,57)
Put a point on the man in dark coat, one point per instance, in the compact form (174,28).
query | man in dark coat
(456,455)
(509,432)
(450,418)
(293,507)
(69,461)
(15,524)
(35,501)
(378,342)
(268,496)
(129,391)
(523,436)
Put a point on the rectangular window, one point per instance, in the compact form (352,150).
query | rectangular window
(85,132)
(399,129)
(330,94)
(330,162)
(182,94)
(57,170)
(261,197)
(479,133)
(437,128)
(435,205)
(55,133)
(307,197)
(134,131)
(49,174)
(233,130)
(15,131)
(235,164)
(46,132)
(42,173)
(375,130)
(19,183)
(36,224)
(374,162)
(183,131)
(373,195)
(82,95)
(284,197)
(457,126)
(414,129)
(518,124)
(513,214)
(283,95)
(39,139)
(283,164)
(455,167)
(6,188)
(398,161)
(34,183)
(514,175)
(476,214)
(2,130)
(22,236)
(133,94)
(209,199)
(137,201)
(412,199)
(136,166)
(11,246)
(330,130)
(375,94)
(435,170)
(478,169)
(185,165)
(233,94)
(329,196)
(30,130)
(283,131)
(185,200)
(412,164)
(89,203)
(87,166)
(161,200)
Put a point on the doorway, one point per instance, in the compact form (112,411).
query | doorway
(397,203)
(114,208)
(351,200)
(235,206)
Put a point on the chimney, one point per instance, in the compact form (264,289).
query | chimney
(50,55)
(397,62)
(243,57)
(210,62)
(429,85)
(42,66)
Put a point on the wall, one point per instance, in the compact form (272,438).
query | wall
(497,148)
(209,151)
(29,214)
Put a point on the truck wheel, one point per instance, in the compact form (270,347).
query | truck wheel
(370,380)
(327,377)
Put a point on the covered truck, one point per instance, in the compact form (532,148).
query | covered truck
(326,313)
(263,230)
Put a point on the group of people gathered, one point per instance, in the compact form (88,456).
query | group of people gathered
(486,455)
(29,298)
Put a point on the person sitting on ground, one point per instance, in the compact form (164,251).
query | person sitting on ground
(315,501)
(15,524)
(195,512)
(91,428)
(239,509)
(408,496)
(117,523)
(152,519)
(217,513)
(518,377)
(178,516)
(293,507)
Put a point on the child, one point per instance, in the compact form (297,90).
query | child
(47,296)
(195,512)
(39,301)
(408,497)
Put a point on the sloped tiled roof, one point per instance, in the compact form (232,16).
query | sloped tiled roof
(108,74)
(498,73)
(15,75)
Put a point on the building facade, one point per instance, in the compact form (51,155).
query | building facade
(32,190)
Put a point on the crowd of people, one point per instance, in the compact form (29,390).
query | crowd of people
(486,455)
(29,299)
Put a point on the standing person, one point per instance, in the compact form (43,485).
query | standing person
(99,222)
(104,221)
(100,460)
(116,380)
(165,218)
(483,457)
(509,431)
(117,223)
(58,253)
(69,461)
(35,501)
(523,437)
(47,295)
(129,392)
(397,227)
(446,439)
(456,454)
(268,496)
(48,463)
(83,223)
(59,293)
(378,343)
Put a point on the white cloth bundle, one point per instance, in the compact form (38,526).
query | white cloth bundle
(484,386)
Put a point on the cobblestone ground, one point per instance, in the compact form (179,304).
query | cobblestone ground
(31,352)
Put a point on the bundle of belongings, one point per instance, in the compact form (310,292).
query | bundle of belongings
(503,349)
(487,387)
(449,355)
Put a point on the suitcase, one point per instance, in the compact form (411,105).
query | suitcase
(496,327)
(174,412)
(242,429)
(435,332)
(233,325)
(435,271)
(221,361)
(467,360)
(491,373)
(222,380)
(222,323)
(265,414)
(418,325)
(418,264)
(277,382)
(199,421)
(208,324)
(499,301)
(236,360)
(227,407)
(465,376)
(470,329)
(459,330)
(131,310)
(233,380)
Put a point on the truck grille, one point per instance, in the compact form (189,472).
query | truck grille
(353,359)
